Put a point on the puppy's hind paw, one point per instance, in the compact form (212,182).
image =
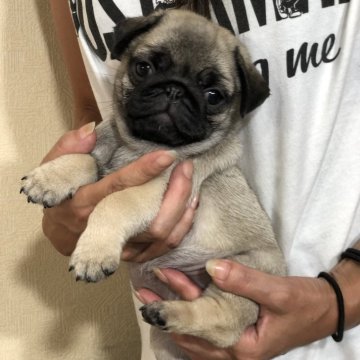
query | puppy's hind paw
(153,314)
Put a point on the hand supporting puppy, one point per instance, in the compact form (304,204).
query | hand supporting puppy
(64,224)
(294,311)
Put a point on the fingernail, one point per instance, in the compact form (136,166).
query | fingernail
(187,169)
(194,203)
(159,274)
(218,269)
(166,159)
(139,297)
(87,130)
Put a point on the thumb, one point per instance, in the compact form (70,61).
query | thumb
(242,280)
(75,141)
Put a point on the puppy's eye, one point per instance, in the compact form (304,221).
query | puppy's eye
(143,69)
(213,97)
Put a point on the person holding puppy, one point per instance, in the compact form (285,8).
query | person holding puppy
(295,156)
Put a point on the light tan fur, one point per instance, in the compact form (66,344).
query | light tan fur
(229,222)
(53,182)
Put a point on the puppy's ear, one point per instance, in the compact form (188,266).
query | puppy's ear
(254,89)
(128,29)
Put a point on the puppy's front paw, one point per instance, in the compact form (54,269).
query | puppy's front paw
(91,264)
(59,179)
(46,187)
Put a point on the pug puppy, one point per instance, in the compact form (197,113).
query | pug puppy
(184,84)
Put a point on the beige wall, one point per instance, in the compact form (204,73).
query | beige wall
(44,314)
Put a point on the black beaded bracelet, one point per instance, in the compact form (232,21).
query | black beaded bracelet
(350,253)
(338,336)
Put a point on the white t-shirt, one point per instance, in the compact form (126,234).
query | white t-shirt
(301,149)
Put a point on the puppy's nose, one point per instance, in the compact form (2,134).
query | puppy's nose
(174,92)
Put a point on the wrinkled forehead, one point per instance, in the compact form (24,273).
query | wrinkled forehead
(192,45)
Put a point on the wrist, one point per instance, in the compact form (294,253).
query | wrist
(347,274)
(329,303)
(338,335)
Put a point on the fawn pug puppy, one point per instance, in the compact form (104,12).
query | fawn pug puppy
(184,84)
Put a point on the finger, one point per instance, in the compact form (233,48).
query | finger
(179,283)
(132,250)
(153,250)
(161,247)
(76,141)
(179,231)
(174,202)
(183,226)
(144,237)
(244,281)
(143,248)
(199,349)
(146,296)
(136,173)
(63,240)
(72,214)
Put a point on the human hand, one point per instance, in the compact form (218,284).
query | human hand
(64,224)
(294,311)
(172,223)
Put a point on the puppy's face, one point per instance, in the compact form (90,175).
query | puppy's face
(182,82)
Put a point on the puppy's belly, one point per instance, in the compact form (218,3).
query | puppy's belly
(186,258)
(150,281)
(189,257)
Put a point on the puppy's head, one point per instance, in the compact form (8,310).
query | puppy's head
(183,82)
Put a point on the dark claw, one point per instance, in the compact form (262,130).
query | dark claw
(70,196)
(71,268)
(24,178)
(153,317)
(107,272)
(78,278)
(22,190)
(144,314)
(30,200)
(46,205)
(89,280)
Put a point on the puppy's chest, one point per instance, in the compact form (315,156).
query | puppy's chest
(117,161)
(111,157)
